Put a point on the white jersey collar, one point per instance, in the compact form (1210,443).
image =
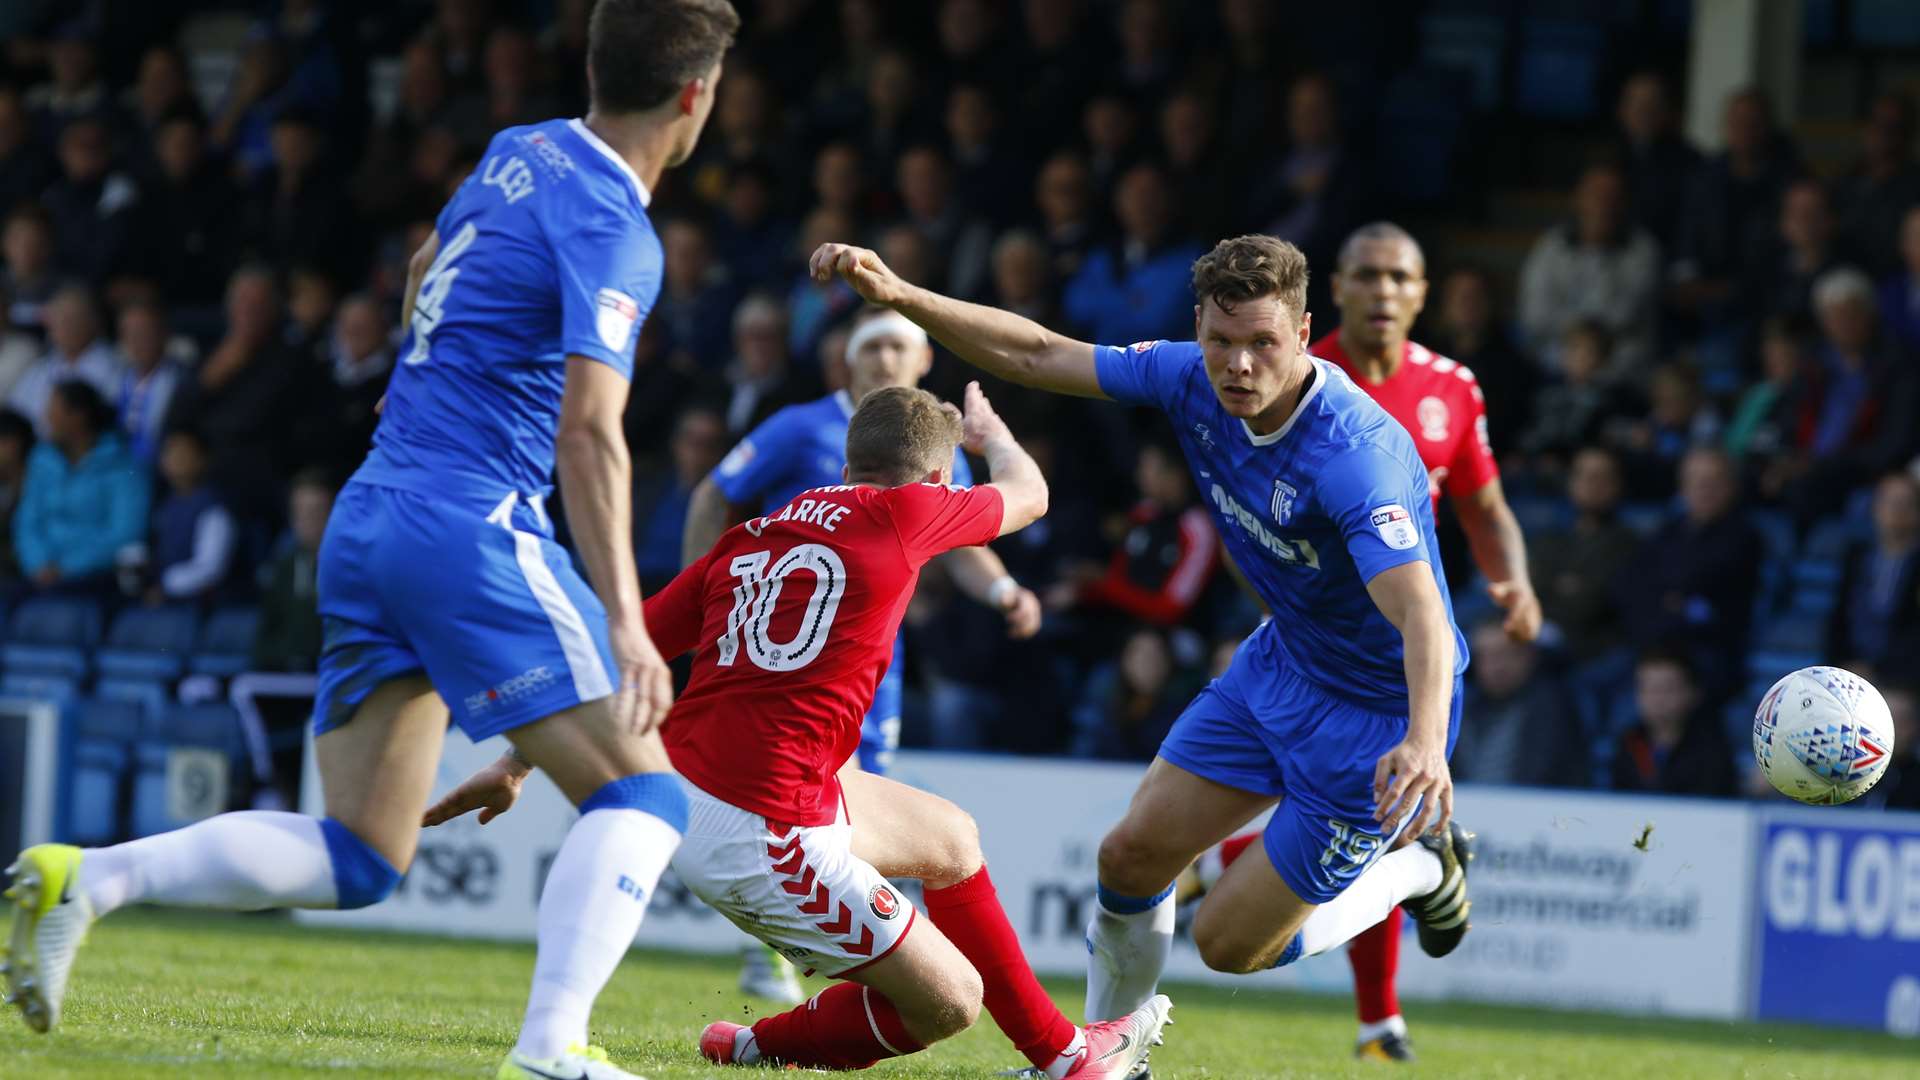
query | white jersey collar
(845,400)
(1313,390)
(639,186)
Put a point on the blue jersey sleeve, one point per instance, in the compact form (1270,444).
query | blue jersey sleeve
(609,278)
(1146,373)
(962,472)
(1373,497)
(758,464)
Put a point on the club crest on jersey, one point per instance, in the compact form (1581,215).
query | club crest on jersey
(883,903)
(614,315)
(1434,416)
(1204,434)
(1282,505)
(1395,526)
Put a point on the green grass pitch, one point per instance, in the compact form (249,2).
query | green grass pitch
(257,997)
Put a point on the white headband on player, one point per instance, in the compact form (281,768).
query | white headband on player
(891,324)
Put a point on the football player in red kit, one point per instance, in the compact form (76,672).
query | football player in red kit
(1380,285)
(791,618)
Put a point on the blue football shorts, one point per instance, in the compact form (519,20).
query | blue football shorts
(880,730)
(478,597)
(1264,728)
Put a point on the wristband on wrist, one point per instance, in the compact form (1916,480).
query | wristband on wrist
(1002,588)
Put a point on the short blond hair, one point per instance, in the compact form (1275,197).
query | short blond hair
(900,434)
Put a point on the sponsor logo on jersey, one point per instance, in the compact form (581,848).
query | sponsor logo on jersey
(527,682)
(1434,416)
(1395,526)
(1142,346)
(1283,496)
(614,315)
(1294,552)
(555,160)
(883,903)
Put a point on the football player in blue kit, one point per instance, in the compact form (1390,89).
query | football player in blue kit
(802,447)
(1343,707)
(441,589)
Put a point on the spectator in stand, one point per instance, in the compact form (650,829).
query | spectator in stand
(1063,192)
(1317,184)
(92,207)
(1600,267)
(761,380)
(925,183)
(148,378)
(973,51)
(27,246)
(359,359)
(312,297)
(1127,706)
(190,229)
(16,448)
(84,499)
(749,235)
(1772,414)
(1876,193)
(1876,625)
(696,298)
(1161,567)
(1732,204)
(1657,159)
(1136,288)
(1204,183)
(1021,281)
(75,352)
(76,90)
(1695,578)
(423,106)
(1468,331)
(1900,292)
(891,118)
(1056,62)
(1781,272)
(193,534)
(1900,788)
(1575,568)
(1525,730)
(1112,133)
(746,127)
(1675,746)
(162,89)
(1144,66)
(297,212)
(19,350)
(288,637)
(660,505)
(990,180)
(241,399)
(241,127)
(1678,419)
(814,307)
(24,166)
(508,96)
(1574,411)
(840,183)
(1863,424)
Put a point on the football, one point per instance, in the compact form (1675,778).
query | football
(1823,735)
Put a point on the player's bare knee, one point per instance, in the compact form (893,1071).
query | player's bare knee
(1129,862)
(1221,950)
(960,853)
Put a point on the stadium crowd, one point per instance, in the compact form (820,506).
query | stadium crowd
(1708,376)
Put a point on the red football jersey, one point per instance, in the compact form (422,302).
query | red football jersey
(793,615)
(1439,402)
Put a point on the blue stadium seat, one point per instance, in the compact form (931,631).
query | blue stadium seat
(1765,666)
(1828,541)
(1644,518)
(1886,24)
(1539,514)
(226,642)
(40,686)
(103,735)
(1776,532)
(51,636)
(1421,122)
(1792,634)
(1810,571)
(211,726)
(148,643)
(152,696)
(1473,44)
(1558,72)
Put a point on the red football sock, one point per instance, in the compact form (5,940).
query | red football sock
(971,916)
(1375,956)
(845,1026)
(1234,846)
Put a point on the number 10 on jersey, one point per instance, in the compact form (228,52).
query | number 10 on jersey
(758,593)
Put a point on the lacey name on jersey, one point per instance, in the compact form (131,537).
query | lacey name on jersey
(1298,552)
(821,512)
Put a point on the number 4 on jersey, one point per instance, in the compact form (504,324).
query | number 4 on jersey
(431,300)
(757,594)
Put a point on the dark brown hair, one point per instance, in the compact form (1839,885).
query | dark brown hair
(900,434)
(1249,267)
(641,52)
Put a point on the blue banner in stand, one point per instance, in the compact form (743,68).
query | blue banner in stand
(1839,919)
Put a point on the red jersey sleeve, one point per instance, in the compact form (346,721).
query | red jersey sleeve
(1473,466)
(674,614)
(933,518)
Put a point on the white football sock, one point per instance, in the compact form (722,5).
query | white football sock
(1392,1025)
(1125,955)
(244,861)
(1395,876)
(746,1049)
(1069,1057)
(590,909)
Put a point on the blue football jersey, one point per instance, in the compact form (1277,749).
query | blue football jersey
(797,449)
(545,252)
(1310,512)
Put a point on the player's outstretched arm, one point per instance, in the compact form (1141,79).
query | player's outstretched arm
(982,577)
(1500,551)
(1417,768)
(709,513)
(997,342)
(1023,490)
(596,473)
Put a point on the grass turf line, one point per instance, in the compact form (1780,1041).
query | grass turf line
(166,995)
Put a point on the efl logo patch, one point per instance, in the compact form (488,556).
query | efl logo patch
(883,903)
(614,315)
(740,458)
(1143,346)
(1395,526)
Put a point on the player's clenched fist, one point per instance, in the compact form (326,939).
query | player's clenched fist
(863,270)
